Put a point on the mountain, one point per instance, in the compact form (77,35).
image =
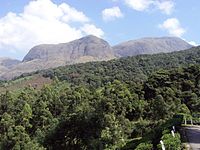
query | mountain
(86,49)
(7,63)
(89,48)
(150,46)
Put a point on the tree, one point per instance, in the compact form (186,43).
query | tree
(25,116)
(6,103)
(160,108)
(6,130)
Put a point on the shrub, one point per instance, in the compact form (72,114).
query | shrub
(144,146)
(170,142)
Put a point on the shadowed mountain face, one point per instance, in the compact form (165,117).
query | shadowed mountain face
(86,49)
(150,46)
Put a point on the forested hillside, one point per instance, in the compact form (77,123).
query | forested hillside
(109,117)
(120,104)
(130,69)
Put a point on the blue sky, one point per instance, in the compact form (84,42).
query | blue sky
(25,23)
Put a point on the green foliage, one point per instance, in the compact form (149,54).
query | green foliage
(129,70)
(170,142)
(103,105)
(144,146)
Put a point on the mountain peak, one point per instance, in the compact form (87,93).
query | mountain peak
(90,46)
(91,36)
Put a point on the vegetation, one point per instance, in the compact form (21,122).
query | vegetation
(123,104)
(144,146)
(171,142)
(36,81)
(128,70)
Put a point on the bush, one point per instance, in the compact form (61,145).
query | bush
(170,142)
(144,146)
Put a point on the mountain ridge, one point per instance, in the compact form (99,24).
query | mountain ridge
(150,45)
(86,49)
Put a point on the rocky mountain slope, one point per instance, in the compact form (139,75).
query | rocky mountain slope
(86,49)
(150,46)
(89,48)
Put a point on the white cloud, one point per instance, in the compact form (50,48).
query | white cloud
(109,14)
(72,14)
(193,43)
(42,21)
(91,29)
(139,5)
(165,6)
(173,26)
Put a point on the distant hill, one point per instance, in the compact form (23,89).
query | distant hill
(150,46)
(7,63)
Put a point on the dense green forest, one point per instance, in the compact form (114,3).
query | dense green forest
(130,103)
